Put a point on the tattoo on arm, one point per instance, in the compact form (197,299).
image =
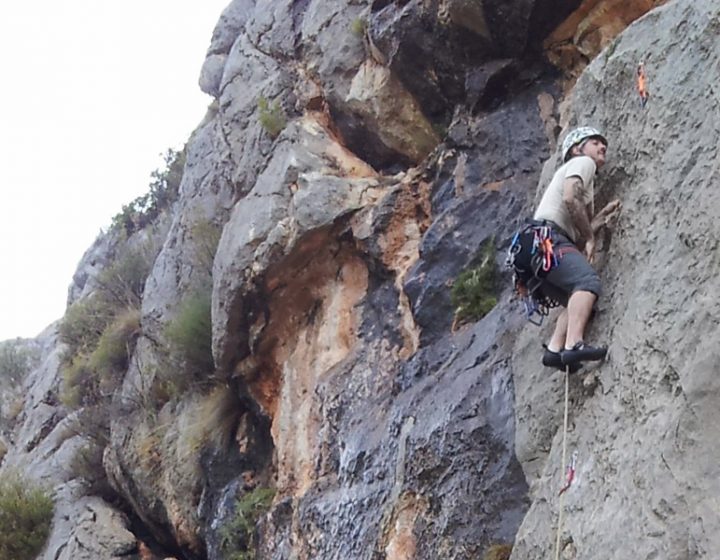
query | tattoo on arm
(572,197)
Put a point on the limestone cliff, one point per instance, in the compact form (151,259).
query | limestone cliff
(292,381)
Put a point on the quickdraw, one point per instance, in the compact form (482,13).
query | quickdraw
(570,476)
(642,84)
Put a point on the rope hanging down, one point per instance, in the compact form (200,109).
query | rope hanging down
(564,459)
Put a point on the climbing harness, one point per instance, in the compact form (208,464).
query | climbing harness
(564,459)
(642,84)
(531,256)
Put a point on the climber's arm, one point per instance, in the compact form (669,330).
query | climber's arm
(575,203)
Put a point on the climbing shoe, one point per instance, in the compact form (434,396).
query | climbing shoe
(553,359)
(582,352)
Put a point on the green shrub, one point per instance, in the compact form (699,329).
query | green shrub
(164,188)
(87,463)
(215,417)
(473,294)
(119,287)
(206,237)
(498,552)
(89,377)
(122,283)
(165,183)
(110,358)
(83,324)
(358,27)
(272,117)
(190,335)
(100,330)
(79,384)
(237,537)
(26,513)
(15,360)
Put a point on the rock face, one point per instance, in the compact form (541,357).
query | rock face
(358,157)
(645,471)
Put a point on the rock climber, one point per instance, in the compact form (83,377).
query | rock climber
(567,207)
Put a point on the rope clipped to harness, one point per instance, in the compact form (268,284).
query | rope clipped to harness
(531,256)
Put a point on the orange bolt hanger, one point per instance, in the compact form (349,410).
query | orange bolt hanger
(642,84)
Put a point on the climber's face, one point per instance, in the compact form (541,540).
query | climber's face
(596,149)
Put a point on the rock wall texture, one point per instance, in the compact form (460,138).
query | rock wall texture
(640,423)
(357,157)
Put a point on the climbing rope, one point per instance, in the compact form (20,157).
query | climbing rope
(564,459)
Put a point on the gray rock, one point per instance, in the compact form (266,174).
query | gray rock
(230,25)
(307,184)
(211,74)
(96,258)
(87,528)
(641,421)
(387,432)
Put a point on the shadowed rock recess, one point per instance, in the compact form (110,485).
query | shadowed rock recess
(298,387)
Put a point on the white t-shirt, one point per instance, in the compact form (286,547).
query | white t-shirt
(551,205)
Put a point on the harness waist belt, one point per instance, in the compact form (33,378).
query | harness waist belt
(553,225)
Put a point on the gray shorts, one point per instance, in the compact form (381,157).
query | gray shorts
(572,274)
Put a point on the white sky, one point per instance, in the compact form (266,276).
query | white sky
(92,92)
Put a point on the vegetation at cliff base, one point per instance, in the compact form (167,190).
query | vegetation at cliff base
(238,540)
(26,512)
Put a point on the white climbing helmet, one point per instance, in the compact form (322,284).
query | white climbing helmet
(576,136)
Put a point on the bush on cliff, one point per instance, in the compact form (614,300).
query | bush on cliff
(26,512)
(122,283)
(205,236)
(78,383)
(358,27)
(83,325)
(238,540)
(215,417)
(15,360)
(190,335)
(100,331)
(473,294)
(110,358)
(164,188)
(271,116)
(97,367)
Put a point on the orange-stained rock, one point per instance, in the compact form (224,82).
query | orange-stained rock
(401,538)
(589,29)
(400,243)
(311,326)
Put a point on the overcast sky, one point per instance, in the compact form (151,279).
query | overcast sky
(93,91)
